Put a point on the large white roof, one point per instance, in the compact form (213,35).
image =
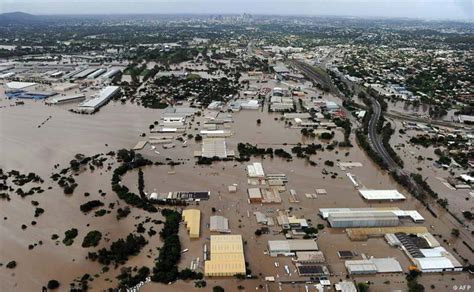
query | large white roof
(413,214)
(19,85)
(219,223)
(435,263)
(387,265)
(381,195)
(105,94)
(433,252)
(255,170)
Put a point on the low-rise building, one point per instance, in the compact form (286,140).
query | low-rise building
(192,218)
(255,195)
(377,219)
(290,247)
(226,258)
(219,224)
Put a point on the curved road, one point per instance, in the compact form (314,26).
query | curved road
(375,139)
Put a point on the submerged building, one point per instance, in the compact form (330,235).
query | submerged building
(227,257)
(94,104)
(192,218)
(368,219)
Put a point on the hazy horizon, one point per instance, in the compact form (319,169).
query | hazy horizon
(460,10)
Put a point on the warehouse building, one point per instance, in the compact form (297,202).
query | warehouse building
(387,265)
(255,195)
(392,240)
(16,85)
(184,196)
(345,286)
(83,74)
(66,99)
(219,224)
(426,259)
(310,257)
(308,270)
(111,73)
(290,247)
(178,112)
(96,74)
(226,258)
(216,133)
(360,267)
(255,170)
(192,218)
(261,218)
(373,266)
(381,195)
(214,147)
(252,104)
(414,215)
(368,219)
(291,222)
(438,264)
(94,104)
(29,94)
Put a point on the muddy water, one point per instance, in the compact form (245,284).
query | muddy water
(28,148)
(459,200)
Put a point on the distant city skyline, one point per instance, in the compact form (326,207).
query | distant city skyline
(422,9)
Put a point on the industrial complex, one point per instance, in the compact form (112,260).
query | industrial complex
(226,256)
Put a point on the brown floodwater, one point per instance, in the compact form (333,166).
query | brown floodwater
(28,148)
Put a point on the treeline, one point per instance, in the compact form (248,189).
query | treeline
(119,250)
(20,179)
(166,267)
(364,143)
(209,160)
(247,150)
(167,57)
(387,132)
(424,185)
(130,161)
(128,280)
(346,125)
(306,151)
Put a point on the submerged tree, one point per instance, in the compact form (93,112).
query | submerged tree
(141,184)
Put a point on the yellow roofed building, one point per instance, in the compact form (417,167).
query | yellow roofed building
(192,218)
(227,256)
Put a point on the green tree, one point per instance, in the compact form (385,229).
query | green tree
(362,287)
(455,232)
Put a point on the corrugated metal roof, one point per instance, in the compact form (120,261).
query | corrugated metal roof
(192,217)
(435,263)
(227,256)
(212,147)
(381,195)
(219,224)
(254,193)
(387,265)
(104,95)
(360,266)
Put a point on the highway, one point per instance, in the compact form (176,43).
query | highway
(376,140)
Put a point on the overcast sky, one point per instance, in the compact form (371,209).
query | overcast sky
(427,9)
